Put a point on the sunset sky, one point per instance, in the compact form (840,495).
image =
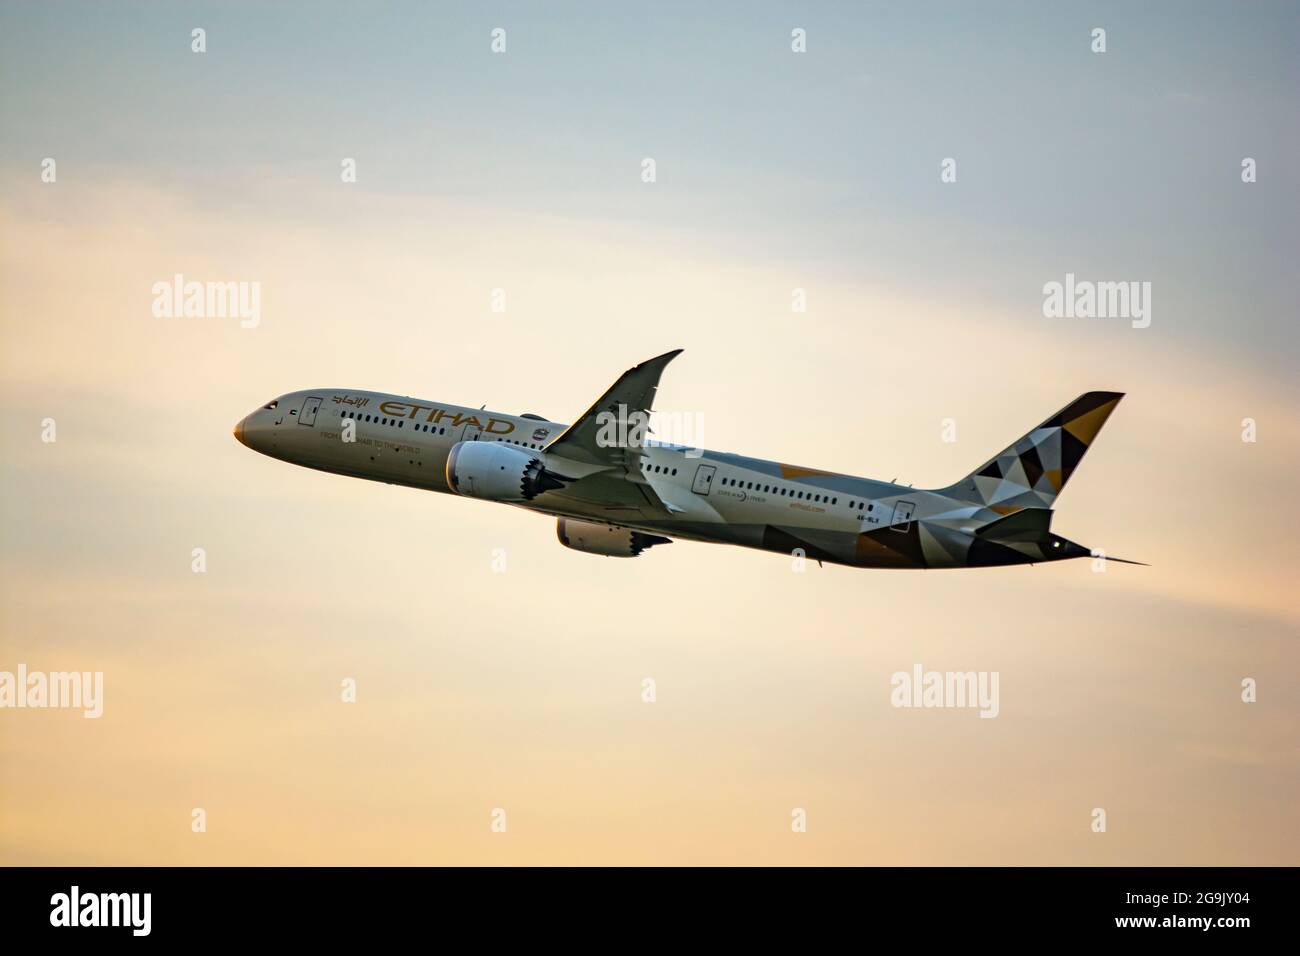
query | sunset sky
(522,171)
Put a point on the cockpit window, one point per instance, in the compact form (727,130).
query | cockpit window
(274,403)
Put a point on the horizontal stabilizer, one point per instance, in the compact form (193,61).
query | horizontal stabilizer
(1028,524)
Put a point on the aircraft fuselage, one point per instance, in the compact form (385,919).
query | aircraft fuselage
(711,496)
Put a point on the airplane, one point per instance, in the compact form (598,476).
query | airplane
(616,492)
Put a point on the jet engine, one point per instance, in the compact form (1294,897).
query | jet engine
(595,538)
(497,472)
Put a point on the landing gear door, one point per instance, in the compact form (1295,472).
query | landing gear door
(308,414)
(902,515)
(703,479)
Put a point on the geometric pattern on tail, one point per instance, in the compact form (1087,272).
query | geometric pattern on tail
(1032,472)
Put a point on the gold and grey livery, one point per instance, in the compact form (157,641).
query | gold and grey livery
(620,497)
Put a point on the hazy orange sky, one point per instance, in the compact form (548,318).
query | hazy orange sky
(521,690)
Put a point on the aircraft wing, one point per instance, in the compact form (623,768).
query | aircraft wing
(619,496)
(614,415)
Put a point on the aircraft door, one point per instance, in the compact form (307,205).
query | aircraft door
(307,416)
(902,515)
(471,433)
(703,479)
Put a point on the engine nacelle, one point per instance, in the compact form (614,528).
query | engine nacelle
(595,538)
(497,472)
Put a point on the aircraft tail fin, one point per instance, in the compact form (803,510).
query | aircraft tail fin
(1030,473)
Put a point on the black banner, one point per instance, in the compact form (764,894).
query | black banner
(329,905)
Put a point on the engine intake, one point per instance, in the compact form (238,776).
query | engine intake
(497,472)
(612,542)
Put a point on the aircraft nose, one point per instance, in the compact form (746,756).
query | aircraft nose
(239,431)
